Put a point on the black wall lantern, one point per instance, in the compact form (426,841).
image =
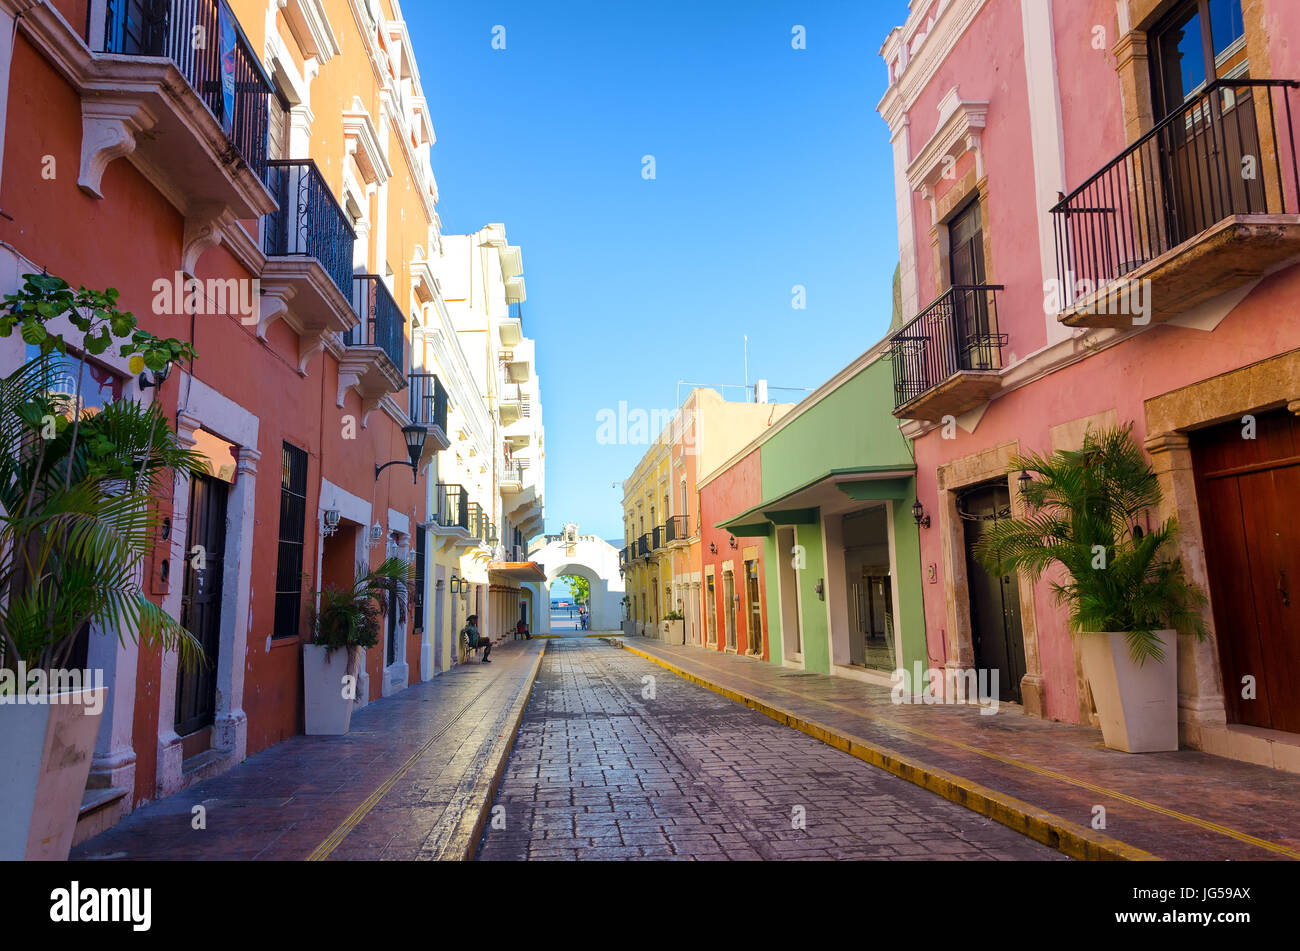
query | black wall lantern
(414,436)
(732,542)
(147,382)
(713,548)
(1022,481)
(918,515)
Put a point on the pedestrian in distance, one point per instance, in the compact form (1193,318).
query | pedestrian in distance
(521,630)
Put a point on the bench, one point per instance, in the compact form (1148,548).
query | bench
(466,653)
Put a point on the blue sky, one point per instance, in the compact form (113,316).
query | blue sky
(772,169)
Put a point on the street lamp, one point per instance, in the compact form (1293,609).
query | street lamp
(414,436)
(159,376)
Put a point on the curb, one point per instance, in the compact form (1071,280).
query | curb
(463,843)
(1048,828)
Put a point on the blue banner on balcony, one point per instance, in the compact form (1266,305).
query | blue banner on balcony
(229,50)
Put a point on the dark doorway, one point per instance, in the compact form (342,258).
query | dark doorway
(994,599)
(1247,491)
(969,299)
(870,588)
(205,551)
(755,608)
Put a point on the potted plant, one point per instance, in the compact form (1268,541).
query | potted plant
(76,525)
(672,629)
(346,624)
(1127,593)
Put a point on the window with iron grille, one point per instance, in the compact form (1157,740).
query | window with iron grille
(417,596)
(293,526)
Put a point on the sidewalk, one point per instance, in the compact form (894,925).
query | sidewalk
(1043,778)
(412,780)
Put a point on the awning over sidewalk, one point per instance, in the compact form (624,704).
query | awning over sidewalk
(800,506)
(516,571)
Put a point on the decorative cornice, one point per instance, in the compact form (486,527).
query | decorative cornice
(961,126)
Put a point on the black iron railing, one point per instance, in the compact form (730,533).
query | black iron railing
(657,541)
(675,529)
(957,332)
(203,38)
(477,521)
(428,400)
(643,546)
(310,221)
(453,506)
(382,323)
(622,557)
(1229,151)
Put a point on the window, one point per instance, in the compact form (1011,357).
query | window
(293,524)
(99,385)
(1184,44)
(417,596)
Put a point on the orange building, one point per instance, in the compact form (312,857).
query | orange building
(276,152)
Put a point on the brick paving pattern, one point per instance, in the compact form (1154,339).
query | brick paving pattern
(599,772)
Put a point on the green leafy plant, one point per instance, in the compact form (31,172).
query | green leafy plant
(351,617)
(77,487)
(674,616)
(1084,510)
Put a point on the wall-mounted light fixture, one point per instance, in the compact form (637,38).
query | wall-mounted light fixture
(713,548)
(1023,481)
(331,521)
(147,382)
(414,436)
(918,515)
(376,534)
(732,542)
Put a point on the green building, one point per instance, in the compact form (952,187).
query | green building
(841,554)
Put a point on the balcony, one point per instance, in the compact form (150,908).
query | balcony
(192,117)
(307,281)
(374,354)
(657,538)
(428,408)
(514,403)
(946,360)
(676,530)
(1203,204)
(512,476)
(511,327)
(478,522)
(643,547)
(453,509)
(514,368)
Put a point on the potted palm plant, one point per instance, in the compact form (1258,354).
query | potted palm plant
(672,629)
(1126,592)
(77,522)
(346,624)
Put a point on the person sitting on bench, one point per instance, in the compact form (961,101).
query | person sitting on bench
(521,630)
(474,639)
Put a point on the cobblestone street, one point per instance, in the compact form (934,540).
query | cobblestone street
(611,765)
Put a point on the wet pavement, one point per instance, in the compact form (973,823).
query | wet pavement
(1185,805)
(409,781)
(617,758)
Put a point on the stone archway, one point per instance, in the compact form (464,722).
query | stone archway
(592,558)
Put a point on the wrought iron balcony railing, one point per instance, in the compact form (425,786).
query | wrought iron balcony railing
(657,538)
(310,221)
(1221,154)
(477,521)
(453,506)
(957,332)
(223,69)
(643,546)
(512,470)
(675,529)
(382,323)
(428,400)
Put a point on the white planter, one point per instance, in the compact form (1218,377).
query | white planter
(1137,706)
(45,749)
(327,711)
(672,632)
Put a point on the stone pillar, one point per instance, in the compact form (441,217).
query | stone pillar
(1200,681)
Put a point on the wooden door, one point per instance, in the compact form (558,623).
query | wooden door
(205,552)
(996,635)
(1248,490)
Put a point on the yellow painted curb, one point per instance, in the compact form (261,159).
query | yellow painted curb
(1048,828)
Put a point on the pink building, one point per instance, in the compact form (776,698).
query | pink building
(1097,217)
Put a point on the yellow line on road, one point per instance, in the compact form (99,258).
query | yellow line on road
(847,741)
